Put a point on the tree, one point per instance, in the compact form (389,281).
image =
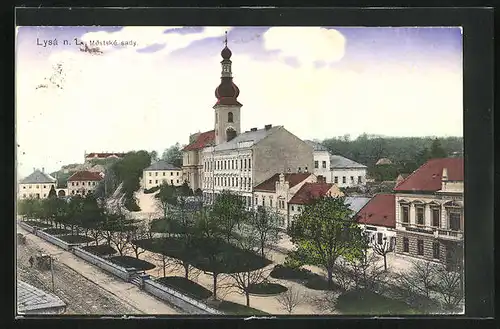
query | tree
(325,230)
(154,156)
(142,231)
(382,249)
(229,211)
(92,217)
(264,225)
(198,192)
(52,192)
(420,279)
(119,231)
(166,198)
(185,190)
(436,150)
(448,286)
(173,155)
(290,299)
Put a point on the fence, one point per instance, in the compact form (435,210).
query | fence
(185,303)
(27,227)
(121,272)
(52,239)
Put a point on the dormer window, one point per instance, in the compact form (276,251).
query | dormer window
(230,117)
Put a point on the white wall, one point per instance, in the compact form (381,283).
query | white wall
(42,190)
(354,173)
(75,187)
(152,178)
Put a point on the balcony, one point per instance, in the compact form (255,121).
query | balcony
(448,234)
(437,232)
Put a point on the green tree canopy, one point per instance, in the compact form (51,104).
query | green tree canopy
(173,155)
(229,211)
(325,230)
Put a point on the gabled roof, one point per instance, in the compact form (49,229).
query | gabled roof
(338,161)
(249,136)
(203,140)
(31,299)
(161,165)
(428,176)
(85,176)
(316,146)
(38,177)
(356,202)
(310,191)
(269,185)
(379,211)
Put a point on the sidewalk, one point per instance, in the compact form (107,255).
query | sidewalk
(125,291)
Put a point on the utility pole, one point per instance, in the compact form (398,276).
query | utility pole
(52,272)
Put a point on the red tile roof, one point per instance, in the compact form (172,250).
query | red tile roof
(203,140)
(104,155)
(269,185)
(85,176)
(310,191)
(428,176)
(379,211)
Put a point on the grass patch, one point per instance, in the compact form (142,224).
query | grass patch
(364,302)
(317,282)
(167,226)
(151,190)
(186,286)
(290,273)
(267,288)
(56,231)
(127,261)
(207,255)
(102,250)
(231,308)
(36,224)
(75,238)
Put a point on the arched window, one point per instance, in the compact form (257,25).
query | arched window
(230,134)
(230,117)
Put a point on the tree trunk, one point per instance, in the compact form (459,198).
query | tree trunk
(330,277)
(247,294)
(215,285)
(385,262)
(164,265)
(186,270)
(262,245)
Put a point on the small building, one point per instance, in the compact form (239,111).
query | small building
(307,193)
(160,172)
(31,300)
(378,218)
(383,161)
(36,185)
(83,182)
(337,169)
(103,155)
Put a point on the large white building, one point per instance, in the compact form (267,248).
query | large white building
(229,159)
(83,182)
(161,172)
(36,185)
(337,169)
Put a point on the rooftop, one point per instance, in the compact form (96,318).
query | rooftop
(161,165)
(30,299)
(269,185)
(379,211)
(428,176)
(85,175)
(252,137)
(202,140)
(356,203)
(338,161)
(310,191)
(38,177)
(316,146)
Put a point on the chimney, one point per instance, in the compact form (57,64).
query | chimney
(444,176)
(253,129)
(267,127)
(43,169)
(282,178)
(34,169)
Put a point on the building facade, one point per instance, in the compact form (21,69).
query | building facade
(83,182)
(192,158)
(161,172)
(337,169)
(36,185)
(429,212)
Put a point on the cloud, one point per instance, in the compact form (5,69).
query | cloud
(307,44)
(124,100)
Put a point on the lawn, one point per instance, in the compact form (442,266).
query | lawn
(167,226)
(56,231)
(317,282)
(231,308)
(36,224)
(267,288)
(102,250)
(290,273)
(364,302)
(206,255)
(186,286)
(127,261)
(75,238)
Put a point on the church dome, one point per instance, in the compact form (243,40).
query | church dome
(226,53)
(227,88)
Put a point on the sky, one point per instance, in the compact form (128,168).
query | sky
(318,82)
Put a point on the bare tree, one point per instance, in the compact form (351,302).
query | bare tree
(244,281)
(264,226)
(382,249)
(290,299)
(448,286)
(143,231)
(420,279)
(366,272)
(343,275)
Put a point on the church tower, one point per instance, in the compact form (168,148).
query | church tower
(227,109)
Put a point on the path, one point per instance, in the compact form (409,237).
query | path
(79,279)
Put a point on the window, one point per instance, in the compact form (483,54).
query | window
(225,164)
(316,164)
(171,182)
(323,164)
(256,199)
(420,247)
(379,238)
(37,186)
(249,164)
(336,179)
(150,181)
(76,184)
(436,216)
(72,183)
(241,163)
(293,208)
(156,181)
(343,179)
(230,117)
(171,173)
(83,183)
(245,164)
(156,173)
(164,173)
(359,180)
(419,212)
(406,245)
(352,179)
(236,181)
(300,169)
(241,181)
(454,217)
(232,181)
(263,201)
(435,250)
(405,214)
(150,173)
(24,187)
(177,181)
(177,173)
(232,164)
(45,195)
(270,202)
(244,182)
(44,186)
(249,182)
